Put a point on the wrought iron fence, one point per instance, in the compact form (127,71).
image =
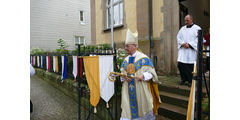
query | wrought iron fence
(104,113)
(200,75)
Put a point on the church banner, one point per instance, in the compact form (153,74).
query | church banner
(97,69)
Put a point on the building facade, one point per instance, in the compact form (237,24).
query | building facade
(51,20)
(165,16)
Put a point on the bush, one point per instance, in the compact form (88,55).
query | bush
(62,44)
(61,52)
(37,51)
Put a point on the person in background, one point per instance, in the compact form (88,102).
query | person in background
(207,45)
(32,72)
(187,39)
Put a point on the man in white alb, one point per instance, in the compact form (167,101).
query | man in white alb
(187,39)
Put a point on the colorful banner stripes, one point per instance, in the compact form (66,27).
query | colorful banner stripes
(49,63)
(56,63)
(64,67)
(41,61)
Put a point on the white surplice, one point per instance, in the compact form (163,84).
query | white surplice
(190,36)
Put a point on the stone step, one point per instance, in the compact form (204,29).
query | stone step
(174,99)
(179,90)
(173,112)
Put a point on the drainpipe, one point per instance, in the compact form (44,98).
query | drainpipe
(151,29)
(112,41)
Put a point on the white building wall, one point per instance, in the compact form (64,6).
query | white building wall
(51,20)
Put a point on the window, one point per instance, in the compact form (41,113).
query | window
(81,16)
(117,13)
(79,40)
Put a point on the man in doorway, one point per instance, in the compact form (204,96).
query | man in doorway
(140,96)
(187,39)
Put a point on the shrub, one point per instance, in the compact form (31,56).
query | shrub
(62,44)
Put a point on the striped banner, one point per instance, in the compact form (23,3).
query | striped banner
(75,67)
(47,62)
(34,63)
(64,67)
(42,61)
(38,63)
(56,63)
(97,69)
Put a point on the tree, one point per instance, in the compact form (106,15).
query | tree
(62,44)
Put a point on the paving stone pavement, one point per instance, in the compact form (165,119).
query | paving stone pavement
(51,104)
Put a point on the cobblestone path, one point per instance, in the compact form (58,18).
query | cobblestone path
(49,103)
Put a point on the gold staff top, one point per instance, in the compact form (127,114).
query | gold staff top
(112,76)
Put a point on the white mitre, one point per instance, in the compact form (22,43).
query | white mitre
(131,38)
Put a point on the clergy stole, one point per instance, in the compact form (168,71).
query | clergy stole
(41,61)
(132,89)
(54,64)
(64,67)
(97,69)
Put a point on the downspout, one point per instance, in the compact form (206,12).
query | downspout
(151,33)
(112,41)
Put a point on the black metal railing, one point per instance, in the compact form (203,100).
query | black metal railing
(83,89)
(200,75)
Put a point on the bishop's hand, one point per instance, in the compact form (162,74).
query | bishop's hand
(128,79)
(140,77)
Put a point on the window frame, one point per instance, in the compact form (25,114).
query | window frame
(83,16)
(107,6)
(79,39)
